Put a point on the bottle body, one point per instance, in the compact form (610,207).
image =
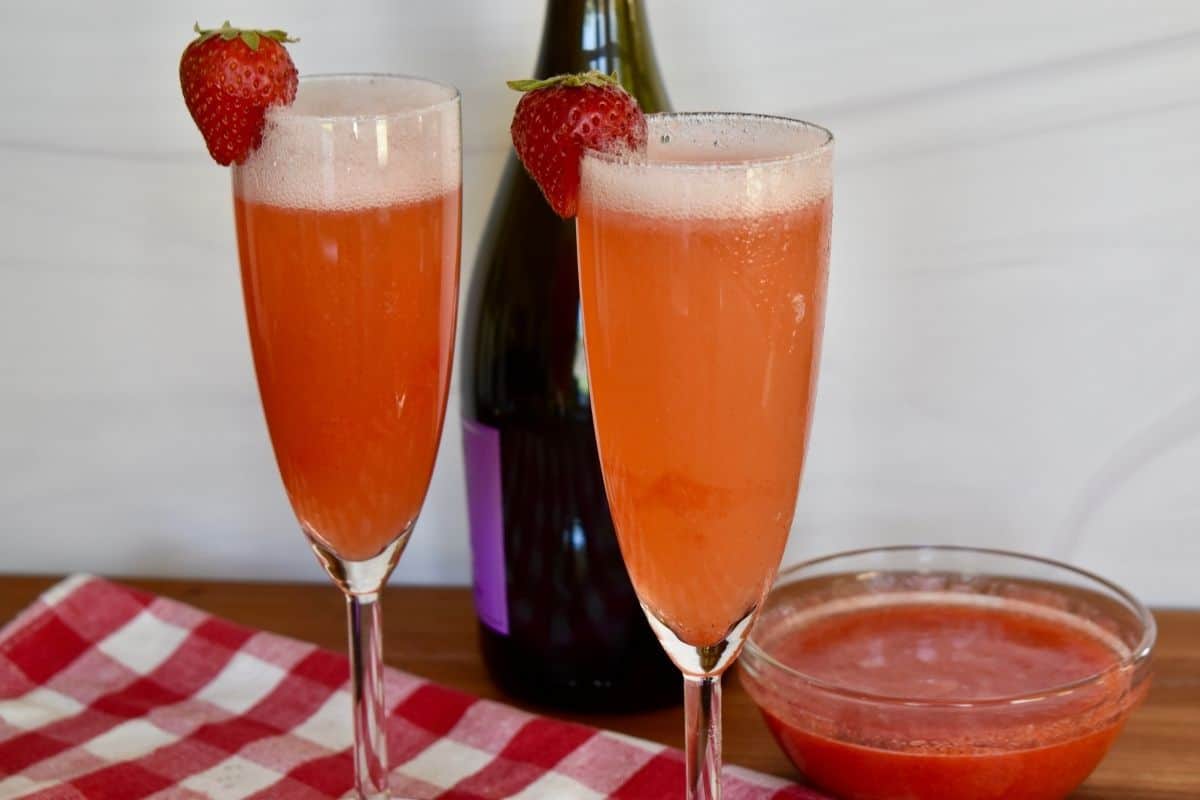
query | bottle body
(560,624)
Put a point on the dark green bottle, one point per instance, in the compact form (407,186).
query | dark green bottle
(559,622)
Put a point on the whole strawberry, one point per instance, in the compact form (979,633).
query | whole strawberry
(560,117)
(229,78)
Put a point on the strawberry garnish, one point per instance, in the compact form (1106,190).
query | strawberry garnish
(230,77)
(560,117)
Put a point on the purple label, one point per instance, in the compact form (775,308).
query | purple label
(485,506)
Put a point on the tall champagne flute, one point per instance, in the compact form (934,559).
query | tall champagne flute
(703,267)
(348,235)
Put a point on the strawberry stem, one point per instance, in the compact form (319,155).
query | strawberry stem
(575,80)
(250,37)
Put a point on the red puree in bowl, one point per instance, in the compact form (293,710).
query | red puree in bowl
(938,651)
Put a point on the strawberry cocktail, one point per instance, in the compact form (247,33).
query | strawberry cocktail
(703,254)
(346,195)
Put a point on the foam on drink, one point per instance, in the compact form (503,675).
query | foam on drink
(695,166)
(394,141)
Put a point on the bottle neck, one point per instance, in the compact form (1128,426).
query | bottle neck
(606,35)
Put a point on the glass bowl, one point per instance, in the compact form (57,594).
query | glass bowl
(928,672)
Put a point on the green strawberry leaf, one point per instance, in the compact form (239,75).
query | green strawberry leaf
(251,37)
(574,80)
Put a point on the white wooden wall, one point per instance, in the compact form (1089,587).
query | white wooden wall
(1013,346)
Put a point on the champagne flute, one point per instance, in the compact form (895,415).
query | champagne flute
(703,266)
(348,236)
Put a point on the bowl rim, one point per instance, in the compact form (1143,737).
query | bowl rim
(1137,656)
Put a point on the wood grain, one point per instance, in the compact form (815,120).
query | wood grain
(431,632)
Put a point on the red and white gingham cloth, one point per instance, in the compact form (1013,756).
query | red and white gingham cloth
(108,692)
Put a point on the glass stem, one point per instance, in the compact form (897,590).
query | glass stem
(366,672)
(702,734)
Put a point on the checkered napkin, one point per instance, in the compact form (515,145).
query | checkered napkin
(108,692)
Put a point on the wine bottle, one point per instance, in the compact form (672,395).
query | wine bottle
(559,622)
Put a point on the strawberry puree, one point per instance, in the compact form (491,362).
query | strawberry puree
(975,650)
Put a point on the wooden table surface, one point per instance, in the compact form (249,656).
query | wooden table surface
(431,632)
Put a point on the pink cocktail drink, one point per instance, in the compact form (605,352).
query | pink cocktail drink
(702,271)
(348,235)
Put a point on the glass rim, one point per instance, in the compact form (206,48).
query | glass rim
(454,96)
(809,152)
(1136,656)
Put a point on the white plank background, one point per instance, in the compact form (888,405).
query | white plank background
(1013,348)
